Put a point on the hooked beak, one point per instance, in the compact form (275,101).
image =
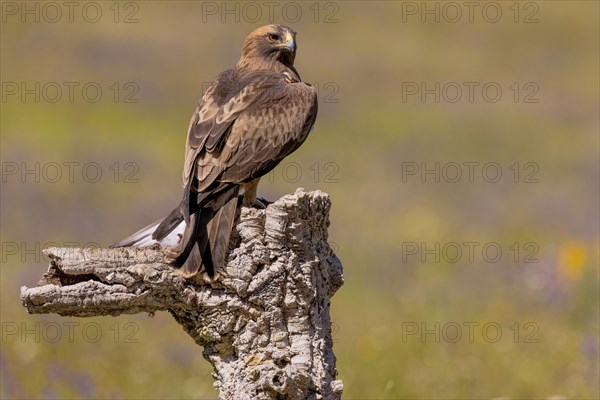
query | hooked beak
(290,42)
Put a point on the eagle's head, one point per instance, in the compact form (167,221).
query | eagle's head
(270,43)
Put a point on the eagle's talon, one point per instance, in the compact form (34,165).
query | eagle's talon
(171,254)
(208,279)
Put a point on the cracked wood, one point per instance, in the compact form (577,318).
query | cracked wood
(264,325)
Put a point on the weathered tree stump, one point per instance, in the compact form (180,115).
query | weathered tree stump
(264,324)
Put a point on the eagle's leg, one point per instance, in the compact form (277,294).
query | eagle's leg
(250,199)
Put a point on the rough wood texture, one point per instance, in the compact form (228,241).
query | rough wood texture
(264,324)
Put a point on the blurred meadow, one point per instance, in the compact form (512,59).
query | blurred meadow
(459,144)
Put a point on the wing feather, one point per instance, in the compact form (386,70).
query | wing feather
(260,119)
(268,131)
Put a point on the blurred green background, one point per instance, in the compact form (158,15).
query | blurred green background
(103,165)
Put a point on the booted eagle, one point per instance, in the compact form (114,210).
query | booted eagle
(247,121)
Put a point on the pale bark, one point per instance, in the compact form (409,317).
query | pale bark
(264,324)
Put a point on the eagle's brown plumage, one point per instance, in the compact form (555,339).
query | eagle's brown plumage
(247,121)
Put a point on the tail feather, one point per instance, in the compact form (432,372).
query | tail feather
(200,244)
(168,224)
(144,237)
(189,260)
(194,243)
(206,241)
(219,233)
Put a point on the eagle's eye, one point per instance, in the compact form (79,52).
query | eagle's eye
(273,37)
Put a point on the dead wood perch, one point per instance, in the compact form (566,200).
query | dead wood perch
(264,325)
